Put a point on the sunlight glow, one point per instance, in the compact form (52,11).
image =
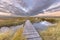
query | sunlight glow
(54,5)
(5,14)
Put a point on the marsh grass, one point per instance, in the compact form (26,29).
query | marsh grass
(11,21)
(19,35)
(20,20)
(5,36)
(52,33)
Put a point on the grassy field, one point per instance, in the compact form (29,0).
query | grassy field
(52,33)
(20,20)
(11,21)
(18,35)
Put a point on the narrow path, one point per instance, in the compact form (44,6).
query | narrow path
(29,32)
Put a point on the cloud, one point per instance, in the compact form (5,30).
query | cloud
(27,7)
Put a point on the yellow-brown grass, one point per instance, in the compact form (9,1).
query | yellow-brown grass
(52,33)
(19,35)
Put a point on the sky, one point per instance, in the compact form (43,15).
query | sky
(28,7)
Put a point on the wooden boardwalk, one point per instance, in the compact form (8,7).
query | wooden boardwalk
(29,32)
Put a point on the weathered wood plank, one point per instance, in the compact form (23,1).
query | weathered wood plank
(29,32)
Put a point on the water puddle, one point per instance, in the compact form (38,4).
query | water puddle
(42,25)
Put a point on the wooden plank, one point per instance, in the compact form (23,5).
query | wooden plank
(30,32)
